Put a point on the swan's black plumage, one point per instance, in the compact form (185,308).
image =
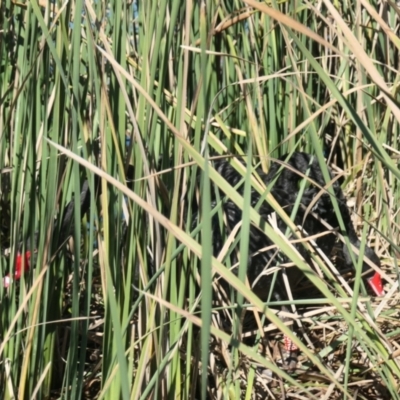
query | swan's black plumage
(284,178)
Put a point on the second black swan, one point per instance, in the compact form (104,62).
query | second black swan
(285,177)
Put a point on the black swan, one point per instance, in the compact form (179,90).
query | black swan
(316,205)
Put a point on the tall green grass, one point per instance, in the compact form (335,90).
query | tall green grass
(91,88)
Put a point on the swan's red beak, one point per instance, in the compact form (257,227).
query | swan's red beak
(22,265)
(376,285)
